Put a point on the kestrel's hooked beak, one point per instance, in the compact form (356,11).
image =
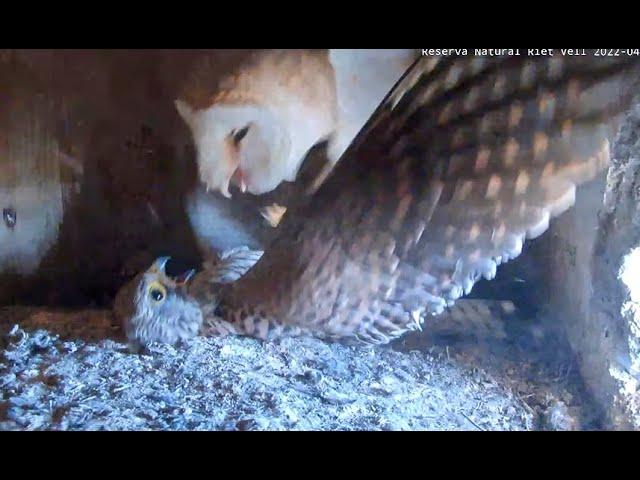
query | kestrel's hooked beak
(159,268)
(160,264)
(183,278)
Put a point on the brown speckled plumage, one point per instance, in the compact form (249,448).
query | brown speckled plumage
(467,158)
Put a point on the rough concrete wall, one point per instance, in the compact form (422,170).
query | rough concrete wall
(588,247)
(617,279)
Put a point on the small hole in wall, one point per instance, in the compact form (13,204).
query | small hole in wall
(10,217)
(606,334)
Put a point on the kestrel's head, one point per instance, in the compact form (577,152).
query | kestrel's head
(243,145)
(156,308)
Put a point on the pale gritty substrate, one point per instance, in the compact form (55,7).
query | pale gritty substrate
(71,371)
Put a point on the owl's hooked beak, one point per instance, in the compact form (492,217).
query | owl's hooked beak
(239,179)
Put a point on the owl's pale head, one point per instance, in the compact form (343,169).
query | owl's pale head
(154,307)
(241,145)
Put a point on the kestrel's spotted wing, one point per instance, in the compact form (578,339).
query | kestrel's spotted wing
(466,158)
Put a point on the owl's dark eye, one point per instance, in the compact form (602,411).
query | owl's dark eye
(238,135)
(156,294)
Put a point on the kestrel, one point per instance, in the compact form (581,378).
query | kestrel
(464,160)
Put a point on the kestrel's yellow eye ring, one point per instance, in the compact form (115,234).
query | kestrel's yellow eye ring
(157,292)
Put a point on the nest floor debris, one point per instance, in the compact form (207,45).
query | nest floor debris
(71,371)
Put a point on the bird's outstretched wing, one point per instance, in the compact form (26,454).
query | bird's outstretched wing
(464,160)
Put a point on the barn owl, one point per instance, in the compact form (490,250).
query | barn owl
(258,124)
(465,159)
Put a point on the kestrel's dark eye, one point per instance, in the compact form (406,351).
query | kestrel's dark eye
(157,295)
(157,292)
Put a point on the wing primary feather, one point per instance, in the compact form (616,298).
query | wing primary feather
(459,165)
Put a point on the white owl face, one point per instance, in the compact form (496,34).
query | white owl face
(238,145)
